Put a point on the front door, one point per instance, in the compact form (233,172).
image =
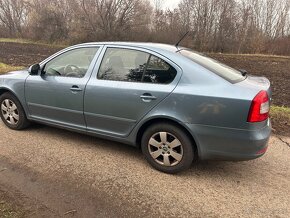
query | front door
(129,83)
(56,96)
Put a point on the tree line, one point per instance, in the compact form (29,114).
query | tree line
(232,26)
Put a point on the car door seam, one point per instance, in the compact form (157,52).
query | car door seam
(140,120)
(90,77)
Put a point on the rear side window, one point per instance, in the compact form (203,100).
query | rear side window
(230,74)
(158,71)
(134,66)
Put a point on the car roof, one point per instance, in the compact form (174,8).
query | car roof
(145,45)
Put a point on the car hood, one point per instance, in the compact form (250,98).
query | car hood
(21,74)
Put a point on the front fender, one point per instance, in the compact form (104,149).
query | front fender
(14,83)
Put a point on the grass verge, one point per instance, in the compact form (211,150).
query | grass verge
(7,211)
(250,55)
(22,41)
(283,113)
(26,41)
(4,68)
(281,119)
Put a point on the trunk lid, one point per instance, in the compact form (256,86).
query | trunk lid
(259,83)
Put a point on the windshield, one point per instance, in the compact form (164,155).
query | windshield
(230,74)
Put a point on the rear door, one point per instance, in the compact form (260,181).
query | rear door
(126,85)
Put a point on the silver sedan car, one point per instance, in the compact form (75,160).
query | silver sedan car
(174,103)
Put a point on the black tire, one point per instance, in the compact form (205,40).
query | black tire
(186,149)
(22,121)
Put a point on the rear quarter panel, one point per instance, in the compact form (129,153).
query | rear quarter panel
(202,97)
(203,100)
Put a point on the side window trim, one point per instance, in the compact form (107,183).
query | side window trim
(100,75)
(145,68)
(42,63)
(104,51)
(63,51)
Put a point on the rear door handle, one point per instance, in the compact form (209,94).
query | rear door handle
(147,97)
(75,88)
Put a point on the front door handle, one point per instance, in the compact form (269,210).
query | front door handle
(147,97)
(75,89)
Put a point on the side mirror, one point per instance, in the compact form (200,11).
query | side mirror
(34,69)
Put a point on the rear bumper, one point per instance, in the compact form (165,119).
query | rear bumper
(215,143)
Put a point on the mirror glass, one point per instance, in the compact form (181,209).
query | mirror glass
(34,69)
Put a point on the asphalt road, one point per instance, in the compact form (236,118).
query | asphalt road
(55,173)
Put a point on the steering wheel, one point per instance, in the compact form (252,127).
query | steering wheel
(70,68)
(51,72)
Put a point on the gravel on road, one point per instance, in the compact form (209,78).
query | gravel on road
(56,173)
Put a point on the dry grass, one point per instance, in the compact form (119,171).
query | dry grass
(251,55)
(7,211)
(280,117)
(282,112)
(26,41)
(22,41)
(4,68)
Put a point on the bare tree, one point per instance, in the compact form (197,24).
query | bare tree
(13,15)
(51,22)
(242,26)
(115,19)
(158,4)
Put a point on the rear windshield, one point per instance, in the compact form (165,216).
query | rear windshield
(230,74)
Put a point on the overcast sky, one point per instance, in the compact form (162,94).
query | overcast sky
(169,3)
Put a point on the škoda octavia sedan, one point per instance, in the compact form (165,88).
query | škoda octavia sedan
(174,103)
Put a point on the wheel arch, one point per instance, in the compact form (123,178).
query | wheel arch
(156,120)
(5,90)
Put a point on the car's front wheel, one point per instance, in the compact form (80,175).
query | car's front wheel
(167,148)
(12,113)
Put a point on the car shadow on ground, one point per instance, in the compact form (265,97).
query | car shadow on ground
(84,139)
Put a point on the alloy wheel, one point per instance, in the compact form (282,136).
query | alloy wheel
(165,149)
(10,112)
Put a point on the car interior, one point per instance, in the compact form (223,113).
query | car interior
(157,70)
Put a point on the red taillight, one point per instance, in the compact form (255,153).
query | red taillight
(260,108)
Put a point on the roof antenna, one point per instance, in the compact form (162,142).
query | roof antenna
(183,37)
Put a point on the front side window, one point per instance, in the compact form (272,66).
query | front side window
(74,63)
(134,66)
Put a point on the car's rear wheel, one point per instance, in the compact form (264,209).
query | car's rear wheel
(167,148)
(12,113)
